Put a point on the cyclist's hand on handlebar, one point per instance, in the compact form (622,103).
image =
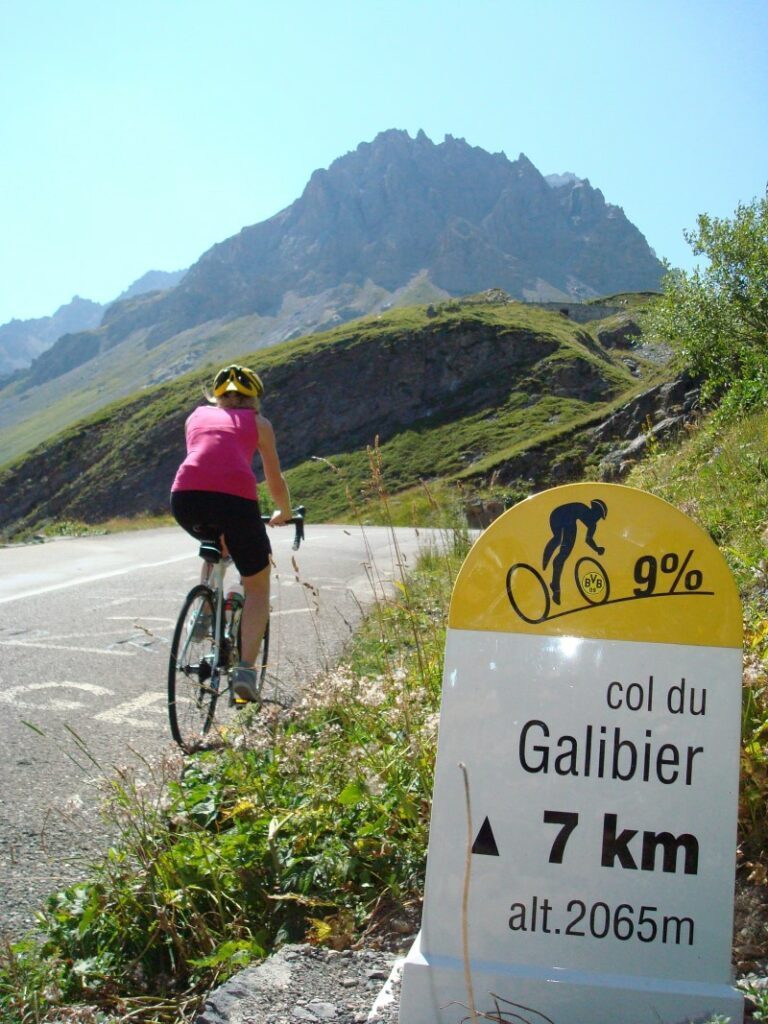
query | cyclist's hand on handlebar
(279,518)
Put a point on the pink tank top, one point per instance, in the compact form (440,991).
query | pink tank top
(220,447)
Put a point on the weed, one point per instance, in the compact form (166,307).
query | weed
(758,995)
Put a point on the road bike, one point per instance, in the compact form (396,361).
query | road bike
(205,649)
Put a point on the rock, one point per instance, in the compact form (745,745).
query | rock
(618,462)
(623,437)
(620,336)
(323,1011)
(300,1013)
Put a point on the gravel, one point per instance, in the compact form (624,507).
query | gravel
(306,985)
(35,863)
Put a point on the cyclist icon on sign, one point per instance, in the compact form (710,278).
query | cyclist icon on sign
(563,522)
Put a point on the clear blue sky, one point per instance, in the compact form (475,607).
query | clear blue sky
(135,135)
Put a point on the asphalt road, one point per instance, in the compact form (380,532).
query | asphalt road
(85,626)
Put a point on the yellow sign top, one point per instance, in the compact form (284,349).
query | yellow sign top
(599,561)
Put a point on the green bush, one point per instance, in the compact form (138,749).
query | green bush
(717,316)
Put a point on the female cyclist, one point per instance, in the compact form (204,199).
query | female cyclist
(214,494)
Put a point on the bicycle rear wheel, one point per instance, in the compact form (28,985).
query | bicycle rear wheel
(528,593)
(193,670)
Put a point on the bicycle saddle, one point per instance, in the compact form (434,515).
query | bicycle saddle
(210,551)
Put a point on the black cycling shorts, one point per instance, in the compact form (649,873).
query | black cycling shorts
(208,515)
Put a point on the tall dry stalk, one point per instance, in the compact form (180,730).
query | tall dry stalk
(465,899)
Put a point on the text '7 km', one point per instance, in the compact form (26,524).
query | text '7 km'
(619,849)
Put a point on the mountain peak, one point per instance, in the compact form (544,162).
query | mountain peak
(397,210)
(397,207)
(561,180)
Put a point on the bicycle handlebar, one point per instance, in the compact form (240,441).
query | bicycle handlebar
(297,520)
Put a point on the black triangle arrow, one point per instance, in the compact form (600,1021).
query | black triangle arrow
(485,841)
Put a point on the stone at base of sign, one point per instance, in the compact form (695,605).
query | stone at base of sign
(434,992)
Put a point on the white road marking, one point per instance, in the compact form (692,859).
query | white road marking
(138,619)
(63,647)
(93,579)
(14,693)
(122,713)
(40,635)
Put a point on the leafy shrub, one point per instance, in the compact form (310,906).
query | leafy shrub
(717,317)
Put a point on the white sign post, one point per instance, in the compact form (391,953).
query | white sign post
(592,701)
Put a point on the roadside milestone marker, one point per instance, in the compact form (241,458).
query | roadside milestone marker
(592,704)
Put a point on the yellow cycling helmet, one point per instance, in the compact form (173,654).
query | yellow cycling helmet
(237,378)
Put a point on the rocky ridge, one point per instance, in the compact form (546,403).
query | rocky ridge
(23,341)
(395,211)
(612,445)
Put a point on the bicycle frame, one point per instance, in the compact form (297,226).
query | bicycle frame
(204,653)
(215,581)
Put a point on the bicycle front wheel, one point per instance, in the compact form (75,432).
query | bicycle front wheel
(193,670)
(592,581)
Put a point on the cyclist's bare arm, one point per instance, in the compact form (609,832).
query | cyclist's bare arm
(590,538)
(273,475)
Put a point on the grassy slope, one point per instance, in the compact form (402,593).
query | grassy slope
(570,384)
(719,475)
(461,447)
(30,415)
(454,461)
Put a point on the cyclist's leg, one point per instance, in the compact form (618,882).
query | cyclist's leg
(255,615)
(247,679)
(250,549)
(567,541)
